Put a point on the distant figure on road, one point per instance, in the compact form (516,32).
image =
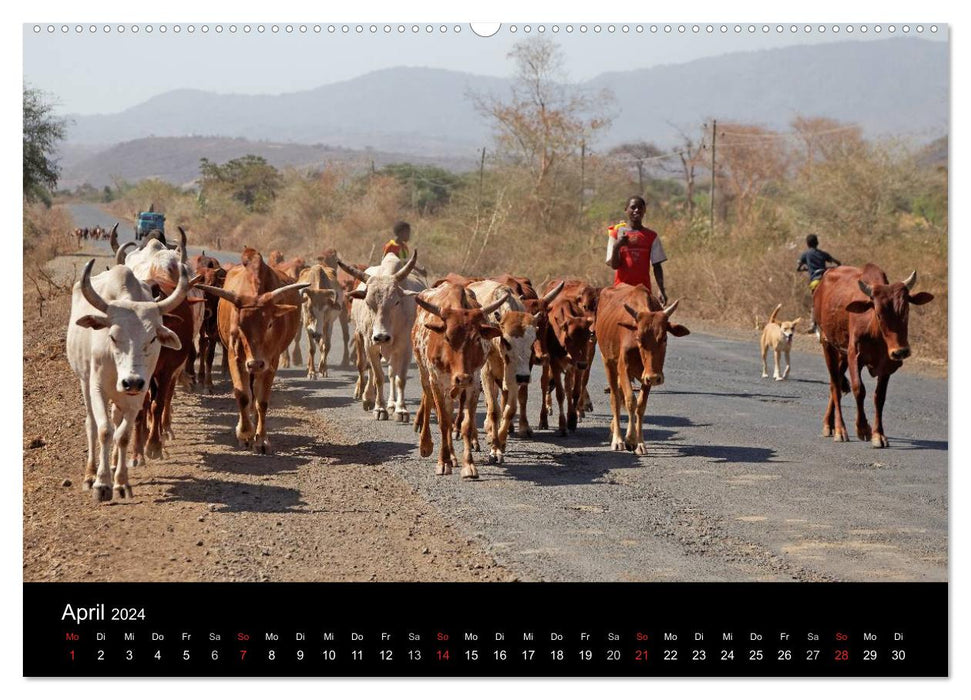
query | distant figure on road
(633,249)
(814,261)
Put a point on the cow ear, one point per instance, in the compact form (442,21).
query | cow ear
(489,332)
(920,298)
(437,327)
(95,322)
(859,307)
(168,338)
(628,326)
(358,294)
(677,330)
(172,319)
(283,309)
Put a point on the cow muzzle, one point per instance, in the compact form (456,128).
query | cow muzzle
(900,353)
(653,379)
(255,366)
(381,338)
(461,380)
(132,385)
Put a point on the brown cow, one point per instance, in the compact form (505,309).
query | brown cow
(539,310)
(292,268)
(213,275)
(258,316)
(521,286)
(583,299)
(862,320)
(568,339)
(450,337)
(632,331)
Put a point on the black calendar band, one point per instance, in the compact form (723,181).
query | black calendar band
(485,629)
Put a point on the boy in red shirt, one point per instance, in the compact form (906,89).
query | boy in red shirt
(399,244)
(632,250)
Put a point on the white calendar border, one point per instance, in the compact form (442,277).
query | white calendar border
(510,11)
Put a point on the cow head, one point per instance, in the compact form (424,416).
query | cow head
(539,308)
(891,307)
(573,333)
(135,330)
(518,337)
(255,320)
(383,296)
(651,330)
(320,306)
(462,331)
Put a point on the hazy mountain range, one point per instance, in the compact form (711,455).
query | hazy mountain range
(890,87)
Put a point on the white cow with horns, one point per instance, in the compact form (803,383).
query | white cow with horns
(114,337)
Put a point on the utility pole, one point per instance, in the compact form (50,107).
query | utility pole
(583,185)
(481,172)
(711,203)
(640,177)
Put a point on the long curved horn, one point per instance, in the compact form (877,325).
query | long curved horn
(911,281)
(353,271)
(671,308)
(178,296)
(87,289)
(631,311)
(428,306)
(552,294)
(113,238)
(401,274)
(289,288)
(183,245)
(486,310)
(219,292)
(866,289)
(122,253)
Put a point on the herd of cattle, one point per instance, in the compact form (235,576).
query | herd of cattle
(95,234)
(157,316)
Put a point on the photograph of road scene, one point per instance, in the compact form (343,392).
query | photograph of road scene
(411,304)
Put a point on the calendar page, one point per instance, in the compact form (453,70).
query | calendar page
(515,349)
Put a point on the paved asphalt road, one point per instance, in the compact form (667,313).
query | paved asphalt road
(737,485)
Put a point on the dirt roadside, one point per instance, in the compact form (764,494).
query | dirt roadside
(321,508)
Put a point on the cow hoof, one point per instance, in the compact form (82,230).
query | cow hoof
(544,424)
(469,472)
(123,491)
(827,431)
(524,433)
(840,436)
(101,494)
(381,414)
(865,434)
(571,423)
(765,376)
(153,451)
(402,416)
(443,469)
(475,446)
(778,379)
(879,440)
(425,450)
(245,444)
(368,405)
(641,449)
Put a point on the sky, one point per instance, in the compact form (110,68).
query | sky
(104,72)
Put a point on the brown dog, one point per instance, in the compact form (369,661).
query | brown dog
(777,336)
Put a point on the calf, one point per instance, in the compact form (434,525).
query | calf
(114,336)
(568,339)
(322,304)
(863,322)
(213,275)
(632,331)
(507,366)
(258,316)
(539,310)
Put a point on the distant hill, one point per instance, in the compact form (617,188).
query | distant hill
(898,86)
(176,159)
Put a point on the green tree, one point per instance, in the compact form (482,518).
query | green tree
(249,180)
(427,186)
(42,132)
